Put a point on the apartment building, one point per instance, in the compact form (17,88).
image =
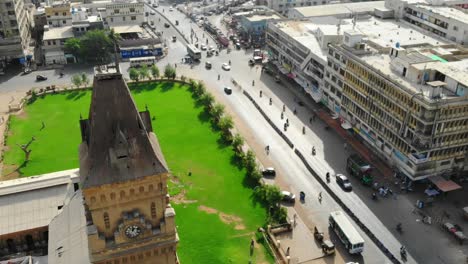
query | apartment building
(15,31)
(58,14)
(409,103)
(125,13)
(447,19)
(53,44)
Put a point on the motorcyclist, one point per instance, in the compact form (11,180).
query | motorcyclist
(313,150)
(327,176)
(399,228)
(374,196)
(253,82)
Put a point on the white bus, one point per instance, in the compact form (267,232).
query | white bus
(193,52)
(138,62)
(348,235)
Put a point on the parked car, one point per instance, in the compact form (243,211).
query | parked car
(171,9)
(152,13)
(270,171)
(155,5)
(226,67)
(166,25)
(288,196)
(174,38)
(40,78)
(203,47)
(208,65)
(228,90)
(344,182)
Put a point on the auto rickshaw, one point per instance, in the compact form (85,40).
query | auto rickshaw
(277,79)
(328,247)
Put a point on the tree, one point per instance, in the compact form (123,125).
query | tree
(226,124)
(155,71)
(77,80)
(134,74)
(217,111)
(26,150)
(73,46)
(207,99)
(84,79)
(269,195)
(144,72)
(237,143)
(97,47)
(169,71)
(250,161)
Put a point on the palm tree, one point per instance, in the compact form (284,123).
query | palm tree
(115,38)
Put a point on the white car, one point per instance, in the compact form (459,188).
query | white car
(228,90)
(288,196)
(153,13)
(226,67)
(203,47)
(170,9)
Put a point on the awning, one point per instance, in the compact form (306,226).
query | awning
(444,185)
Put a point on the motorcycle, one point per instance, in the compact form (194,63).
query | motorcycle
(313,151)
(403,252)
(399,228)
(374,196)
(328,177)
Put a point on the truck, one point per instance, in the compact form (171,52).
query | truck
(359,168)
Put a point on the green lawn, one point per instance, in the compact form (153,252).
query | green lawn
(221,218)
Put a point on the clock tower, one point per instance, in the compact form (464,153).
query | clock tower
(123,176)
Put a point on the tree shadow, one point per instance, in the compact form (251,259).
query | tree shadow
(236,162)
(167,86)
(204,116)
(222,143)
(71,95)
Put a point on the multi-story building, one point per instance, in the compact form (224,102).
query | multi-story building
(15,32)
(131,13)
(444,18)
(53,43)
(283,6)
(409,103)
(58,14)
(253,24)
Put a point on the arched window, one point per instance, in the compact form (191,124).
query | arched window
(160,186)
(103,198)
(153,210)
(142,189)
(106,220)
(150,187)
(93,199)
(112,196)
(122,194)
(132,192)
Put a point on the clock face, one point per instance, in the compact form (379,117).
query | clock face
(132,231)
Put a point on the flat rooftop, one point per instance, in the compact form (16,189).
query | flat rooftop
(340,9)
(447,12)
(127,29)
(303,32)
(58,33)
(256,18)
(32,202)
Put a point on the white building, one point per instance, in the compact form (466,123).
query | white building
(53,44)
(342,10)
(283,6)
(125,13)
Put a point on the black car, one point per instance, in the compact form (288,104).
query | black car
(227,90)
(166,25)
(344,182)
(269,172)
(40,78)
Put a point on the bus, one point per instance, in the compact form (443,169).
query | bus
(138,62)
(193,52)
(348,235)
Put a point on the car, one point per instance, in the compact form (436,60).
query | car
(226,67)
(269,171)
(155,5)
(344,182)
(208,65)
(288,196)
(228,90)
(40,78)
(166,25)
(152,13)
(171,9)
(174,38)
(211,48)
(203,47)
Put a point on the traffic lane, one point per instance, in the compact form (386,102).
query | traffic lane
(297,176)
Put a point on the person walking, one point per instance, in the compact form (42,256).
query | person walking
(345,146)
(320,197)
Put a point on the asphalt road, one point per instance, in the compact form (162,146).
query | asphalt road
(427,244)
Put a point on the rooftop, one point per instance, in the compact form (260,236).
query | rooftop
(448,12)
(344,9)
(32,202)
(58,33)
(258,17)
(127,29)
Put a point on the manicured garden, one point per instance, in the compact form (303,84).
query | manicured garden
(216,213)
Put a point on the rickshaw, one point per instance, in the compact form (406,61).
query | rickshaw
(328,247)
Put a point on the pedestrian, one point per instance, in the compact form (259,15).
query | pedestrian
(284,108)
(261,93)
(295,219)
(282,115)
(310,120)
(175,65)
(320,197)
(287,251)
(345,146)
(314,116)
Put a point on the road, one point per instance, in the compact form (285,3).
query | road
(427,244)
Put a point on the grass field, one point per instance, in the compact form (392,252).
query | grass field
(216,216)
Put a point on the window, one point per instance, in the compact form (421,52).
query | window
(112,196)
(106,220)
(122,194)
(64,13)
(103,198)
(64,21)
(153,210)
(112,19)
(455,28)
(132,192)
(56,13)
(150,187)
(133,17)
(123,18)
(141,189)
(132,10)
(116,11)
